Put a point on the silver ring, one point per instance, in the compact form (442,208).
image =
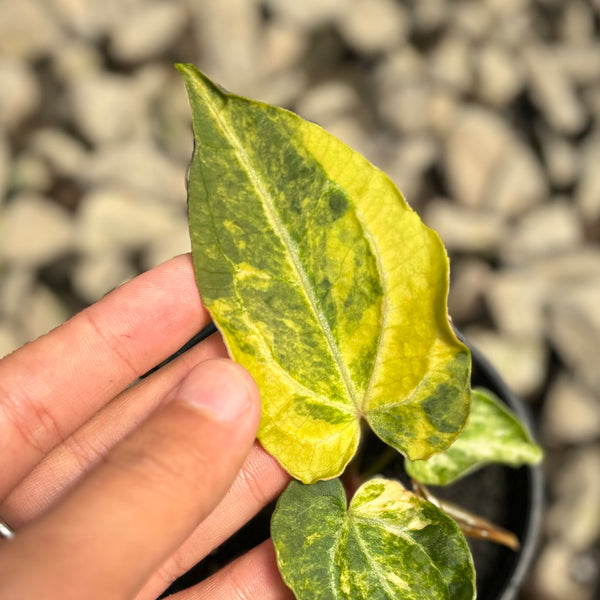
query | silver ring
(5,531)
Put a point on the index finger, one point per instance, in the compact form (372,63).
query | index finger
(51,386)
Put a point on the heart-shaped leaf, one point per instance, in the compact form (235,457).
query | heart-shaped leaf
(493,435)
(388,544)
(325,285)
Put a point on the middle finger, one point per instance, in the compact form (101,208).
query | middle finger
(79,452)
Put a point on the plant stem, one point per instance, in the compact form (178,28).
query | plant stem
(470,524)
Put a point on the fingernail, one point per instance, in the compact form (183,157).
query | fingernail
(219,388)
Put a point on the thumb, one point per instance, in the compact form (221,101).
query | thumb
(142,501)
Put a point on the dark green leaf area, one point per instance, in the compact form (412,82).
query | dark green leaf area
(436,408)
(493,434)
(261,205)
(305,528)
(387,545)
(316,410)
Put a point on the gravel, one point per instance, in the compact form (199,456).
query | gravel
(486,113)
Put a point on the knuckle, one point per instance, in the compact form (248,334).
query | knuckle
(83,451)
(241,586)
(33,421)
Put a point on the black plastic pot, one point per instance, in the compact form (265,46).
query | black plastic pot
(510,498)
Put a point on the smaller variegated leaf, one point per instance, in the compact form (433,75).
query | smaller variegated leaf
(387,544)
(493,435)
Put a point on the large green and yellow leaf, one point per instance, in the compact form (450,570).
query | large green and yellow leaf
(325,285)
(388,544)
(493,435)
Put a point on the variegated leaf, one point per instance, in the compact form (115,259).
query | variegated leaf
(388,544)
(493,435)
(325,285)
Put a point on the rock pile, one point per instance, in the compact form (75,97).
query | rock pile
(486,113)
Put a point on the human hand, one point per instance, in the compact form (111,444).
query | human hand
(115,490)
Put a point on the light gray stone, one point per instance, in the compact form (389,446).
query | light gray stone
(591,98)
(326,101)
(451,63)
(488,165)
(571,269)
(30,173)
(310,14)
(35,231)
(171,122)
(30,309)
(109,107)
(28,29)
(41,312)
(499,75)
(588,186)
(472,19)
(574,329)
(9,339)
(444,106)
(349,130)
(148,32)
(512,28)
(561,159)
(463,229)
(552,575)
(507,7)
(176,242)
(477,143)
(552,90)
(20,92)
(574,518)
(430,15)
(521,361)
(89,19)
(118,220)
(4,166)
(580,61)
(282,47)
(15,286)
(398,67)
(548,229)
(93,20)
(372,26)
(139,165)
(519,183)
(229,38)
(333,105)
(469,280)
(66,156)
(406,106)
(75,60)
(406,162)
(97,274)
(571,413)
(279,89)
(577,22)
(516,299)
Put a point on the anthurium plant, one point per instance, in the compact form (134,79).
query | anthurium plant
(332,293)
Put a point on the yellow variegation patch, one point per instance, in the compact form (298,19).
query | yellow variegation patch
(325,285)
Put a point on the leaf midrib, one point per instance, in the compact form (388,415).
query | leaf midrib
(280,229)
(375,566)
(398,531)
